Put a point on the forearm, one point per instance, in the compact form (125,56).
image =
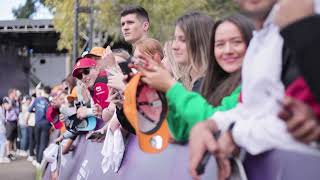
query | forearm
(185,109)
(108,112)
(267,133)
(188,108)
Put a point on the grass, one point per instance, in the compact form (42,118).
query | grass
(38,174)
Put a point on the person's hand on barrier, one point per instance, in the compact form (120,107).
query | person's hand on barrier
(224,168)
(201,139)
(97,135)
(116,81)
(97,110)
(59,139)
(227,148)
(68,146)
(300,119)
(293,10)
(82,112)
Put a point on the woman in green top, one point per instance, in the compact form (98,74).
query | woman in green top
(220,87)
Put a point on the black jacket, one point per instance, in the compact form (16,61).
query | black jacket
(302,38)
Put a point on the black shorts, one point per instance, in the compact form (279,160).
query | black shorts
(11,130)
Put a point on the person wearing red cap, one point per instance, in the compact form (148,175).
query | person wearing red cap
(87,71)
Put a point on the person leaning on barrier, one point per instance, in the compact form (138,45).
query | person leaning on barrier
(256,125)
(300,30)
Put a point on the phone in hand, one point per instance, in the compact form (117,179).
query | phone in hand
(124,68)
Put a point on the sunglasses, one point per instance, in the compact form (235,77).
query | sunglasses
(85,71)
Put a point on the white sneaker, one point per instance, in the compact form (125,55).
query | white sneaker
(23,153)
(11,157)
(34,162)
(14,153)
(30,158)
(5,160)
(38,165)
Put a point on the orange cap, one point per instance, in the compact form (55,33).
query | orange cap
(142,102)
(96,51)
(71,97)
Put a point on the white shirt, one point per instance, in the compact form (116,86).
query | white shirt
(258,128)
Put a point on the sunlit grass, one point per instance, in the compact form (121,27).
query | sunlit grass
(38,174)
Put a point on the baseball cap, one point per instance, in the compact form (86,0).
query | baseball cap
(71,97)
(53,117)
(77,125)
(81,64)
(146,110)
(88,124)
(96,51)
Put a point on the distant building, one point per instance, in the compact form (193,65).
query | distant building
(28,55)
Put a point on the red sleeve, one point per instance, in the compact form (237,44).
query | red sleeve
(301,91)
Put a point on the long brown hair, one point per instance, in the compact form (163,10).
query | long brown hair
(217,83)
(197,30)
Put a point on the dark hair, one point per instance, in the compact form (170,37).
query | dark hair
(47,89)
(71,81)
(138,10)
(217,83)
(27,97)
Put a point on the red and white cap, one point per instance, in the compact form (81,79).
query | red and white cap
(83,63)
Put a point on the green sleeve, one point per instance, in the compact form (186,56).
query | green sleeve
(187,108)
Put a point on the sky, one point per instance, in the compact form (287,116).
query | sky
(7,5)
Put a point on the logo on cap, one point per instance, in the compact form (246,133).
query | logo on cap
(98,88)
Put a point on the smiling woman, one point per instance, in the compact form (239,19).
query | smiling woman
(220,87)
(230,39)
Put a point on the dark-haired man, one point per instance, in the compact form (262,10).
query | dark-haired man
(42,126)
(134,24)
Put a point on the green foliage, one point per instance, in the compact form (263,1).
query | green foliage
(63,20)
(26,10)
(163,14)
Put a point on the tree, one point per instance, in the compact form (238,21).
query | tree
(163,14)
(63,21)
(26,10)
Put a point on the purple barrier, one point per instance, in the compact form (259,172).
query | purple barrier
(85,163)
(282,165)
